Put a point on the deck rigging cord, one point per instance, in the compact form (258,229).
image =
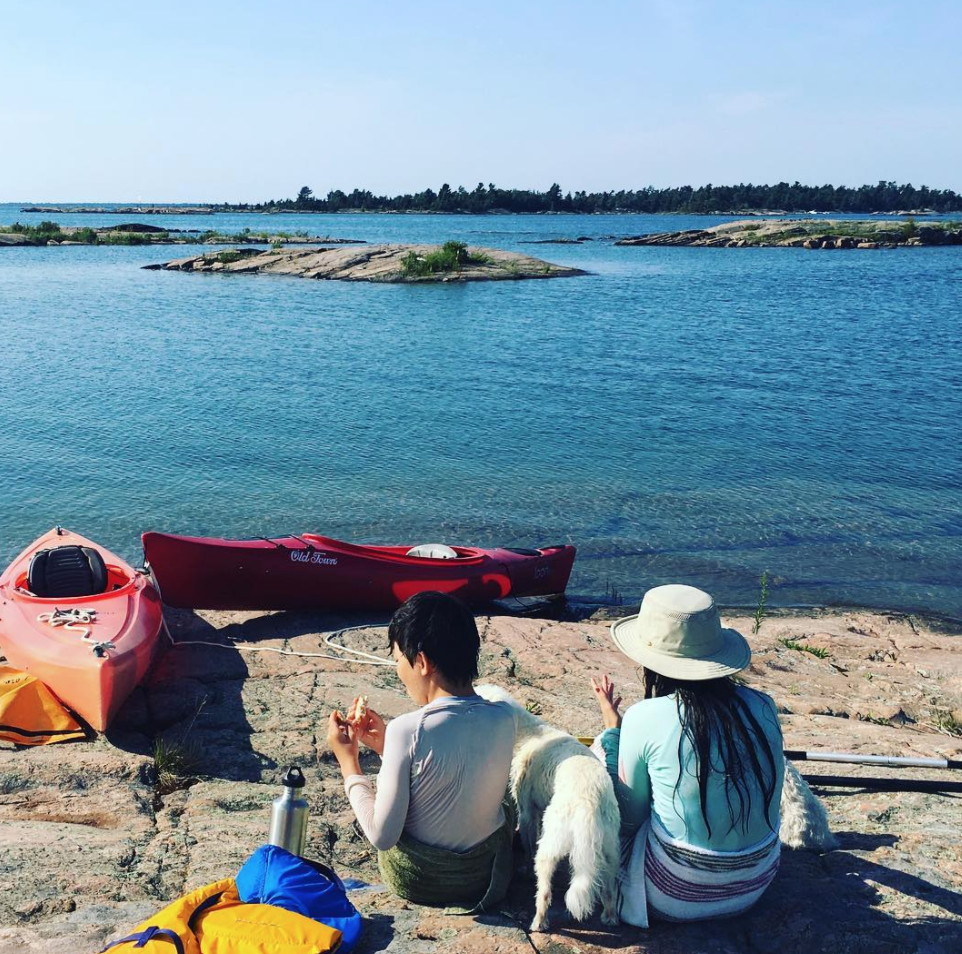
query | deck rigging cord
(77,621)
(72,619)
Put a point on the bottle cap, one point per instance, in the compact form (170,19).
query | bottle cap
(294,778)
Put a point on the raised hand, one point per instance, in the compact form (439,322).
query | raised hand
(604,690)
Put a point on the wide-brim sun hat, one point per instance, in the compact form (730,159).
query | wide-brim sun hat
(678,633)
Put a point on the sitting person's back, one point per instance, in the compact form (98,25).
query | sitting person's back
(657,762)
(697,766)
(453,757)
(438,818)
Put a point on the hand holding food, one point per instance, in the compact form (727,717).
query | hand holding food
(367,724)
(357,713)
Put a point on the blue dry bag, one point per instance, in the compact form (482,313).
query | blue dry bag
(275,876)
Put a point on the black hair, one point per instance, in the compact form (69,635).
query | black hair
(441,627)
(712,711)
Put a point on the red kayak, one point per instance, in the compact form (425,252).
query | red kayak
(315,572)
(81,620)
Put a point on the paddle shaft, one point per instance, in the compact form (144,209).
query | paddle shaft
(891,761)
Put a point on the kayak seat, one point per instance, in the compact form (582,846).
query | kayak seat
(67,571)
(432,551)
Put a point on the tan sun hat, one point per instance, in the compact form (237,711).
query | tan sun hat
(678,634)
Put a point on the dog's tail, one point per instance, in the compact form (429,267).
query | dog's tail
(580,897)
(594,851)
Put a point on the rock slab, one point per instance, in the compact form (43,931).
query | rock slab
(808,234)
(373,263)
(91,842)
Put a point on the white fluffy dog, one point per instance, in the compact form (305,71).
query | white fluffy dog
(804,821)
(566,809)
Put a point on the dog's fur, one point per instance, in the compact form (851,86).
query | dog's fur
(804,821)
(566,809)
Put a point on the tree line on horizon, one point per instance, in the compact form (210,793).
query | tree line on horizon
(795,197)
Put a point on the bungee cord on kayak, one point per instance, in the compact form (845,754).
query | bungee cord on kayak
(72,618)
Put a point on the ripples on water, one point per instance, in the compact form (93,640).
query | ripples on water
(695,414)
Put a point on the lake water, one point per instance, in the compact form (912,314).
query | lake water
(679,414)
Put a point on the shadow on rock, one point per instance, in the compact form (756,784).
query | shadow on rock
(863,841)
(291,624)
(206,704)
(818,904)
(844,900)
(378,933)
(190,710)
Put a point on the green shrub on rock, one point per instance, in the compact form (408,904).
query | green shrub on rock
(449,258)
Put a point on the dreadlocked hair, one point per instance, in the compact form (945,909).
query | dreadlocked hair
(712,713)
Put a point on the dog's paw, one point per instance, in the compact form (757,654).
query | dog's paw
(540,925)
(610,918)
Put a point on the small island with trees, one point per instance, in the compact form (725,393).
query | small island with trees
(450,262)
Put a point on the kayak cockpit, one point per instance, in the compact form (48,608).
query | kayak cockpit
(433,551)
(113,580)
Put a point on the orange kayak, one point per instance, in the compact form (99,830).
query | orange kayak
(81,620)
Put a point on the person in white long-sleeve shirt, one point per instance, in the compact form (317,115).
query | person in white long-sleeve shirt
(444,767)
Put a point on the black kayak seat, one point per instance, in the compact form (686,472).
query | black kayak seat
(67,571)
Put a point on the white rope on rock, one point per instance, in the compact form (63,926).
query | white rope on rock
(379,660)
(367,659)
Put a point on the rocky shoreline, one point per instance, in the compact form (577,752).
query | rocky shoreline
(229,209)
(137,233)
(98,835)
(809,234)
(121,210)
(373,263)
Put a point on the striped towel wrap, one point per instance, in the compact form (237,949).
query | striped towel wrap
(678,882)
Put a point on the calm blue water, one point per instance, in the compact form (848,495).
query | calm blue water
(679,414)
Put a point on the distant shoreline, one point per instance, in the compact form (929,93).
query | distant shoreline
(247,210)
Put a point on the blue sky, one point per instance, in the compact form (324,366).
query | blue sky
(248,101)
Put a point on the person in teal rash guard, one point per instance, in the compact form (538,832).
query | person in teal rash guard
(697,765)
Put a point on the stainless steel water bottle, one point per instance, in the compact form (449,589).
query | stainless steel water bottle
(289,815)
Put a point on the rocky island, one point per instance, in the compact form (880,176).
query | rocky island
(809,234)
(451,262)
(120,209)
(137,233)
(97,835)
